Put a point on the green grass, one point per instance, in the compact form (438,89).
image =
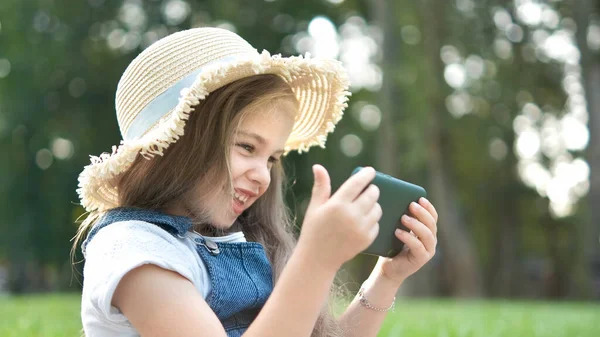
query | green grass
(58,315)
(40,316)
(492,318)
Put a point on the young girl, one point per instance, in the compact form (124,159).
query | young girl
(187,232)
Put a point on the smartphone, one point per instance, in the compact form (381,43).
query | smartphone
(395,197)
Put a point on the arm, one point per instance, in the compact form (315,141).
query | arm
(293,307)
(359,320)
(159,302)
(389,274)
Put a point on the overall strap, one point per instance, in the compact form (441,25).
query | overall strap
(176,225)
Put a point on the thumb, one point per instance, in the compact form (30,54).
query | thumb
(322,187)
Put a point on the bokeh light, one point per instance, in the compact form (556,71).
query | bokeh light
(355,45)
(176,11)
(455,75)
(370,117)
(503,48)
(540,135)
(459,104)
(44,159)
(324,38)
(132,15)
(4,68)
(351,145)
(410,35)
(498,149)
(593,36)
(449,55)
(77,87)
(62,148)
(529,12)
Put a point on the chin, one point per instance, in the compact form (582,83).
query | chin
(224,223)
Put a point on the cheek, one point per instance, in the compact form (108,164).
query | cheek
(238,163)
(262,191)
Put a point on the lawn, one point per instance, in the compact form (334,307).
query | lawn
(58,315)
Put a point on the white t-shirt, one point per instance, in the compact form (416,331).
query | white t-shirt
(122,246)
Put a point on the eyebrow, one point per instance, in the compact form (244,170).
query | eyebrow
(258,138)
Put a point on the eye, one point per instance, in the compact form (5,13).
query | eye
(246,147)
(273,160)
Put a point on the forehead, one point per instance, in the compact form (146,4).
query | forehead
(271,117)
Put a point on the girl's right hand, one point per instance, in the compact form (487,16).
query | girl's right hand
(336,228)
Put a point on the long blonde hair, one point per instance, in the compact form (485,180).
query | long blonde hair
(201,157)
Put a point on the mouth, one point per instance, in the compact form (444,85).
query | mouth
(242,198)
(241,201)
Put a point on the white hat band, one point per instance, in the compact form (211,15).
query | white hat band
(166,101)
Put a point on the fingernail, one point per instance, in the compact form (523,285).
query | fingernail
(404,217)
(398,231)
(423,199)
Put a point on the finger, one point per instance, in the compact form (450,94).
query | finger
(429,207)
(424,216)
(354,186)
(322,185)
(374,214)
(421,231)
(368,198)
(414,244)
(373,232)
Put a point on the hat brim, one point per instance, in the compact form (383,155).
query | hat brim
(320,86)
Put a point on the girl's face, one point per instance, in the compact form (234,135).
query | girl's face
(257,146)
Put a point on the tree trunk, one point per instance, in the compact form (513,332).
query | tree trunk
(556,282)
(422,283)
(504,263)
(462,271)
(387,153)
(590,231)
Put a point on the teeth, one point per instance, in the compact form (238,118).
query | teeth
(241,198)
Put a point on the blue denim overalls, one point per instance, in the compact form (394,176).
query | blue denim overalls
(240,273)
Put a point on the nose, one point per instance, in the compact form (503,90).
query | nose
(261,174)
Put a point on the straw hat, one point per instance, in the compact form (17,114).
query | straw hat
(160,87)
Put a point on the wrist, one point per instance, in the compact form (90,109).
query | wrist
(308,254)
(379,292)
(382,279)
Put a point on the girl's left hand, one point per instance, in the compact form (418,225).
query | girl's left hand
(419,246)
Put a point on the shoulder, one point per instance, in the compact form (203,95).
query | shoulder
(132,229)
(134,236)
(137,242)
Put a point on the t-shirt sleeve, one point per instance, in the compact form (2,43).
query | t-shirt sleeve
(123,246)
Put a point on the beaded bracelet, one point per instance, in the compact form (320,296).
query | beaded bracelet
(365,302)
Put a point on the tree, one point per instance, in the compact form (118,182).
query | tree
(590,63)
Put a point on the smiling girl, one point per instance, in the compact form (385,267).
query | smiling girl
(187,232)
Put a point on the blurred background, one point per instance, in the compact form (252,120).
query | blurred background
(492,106)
